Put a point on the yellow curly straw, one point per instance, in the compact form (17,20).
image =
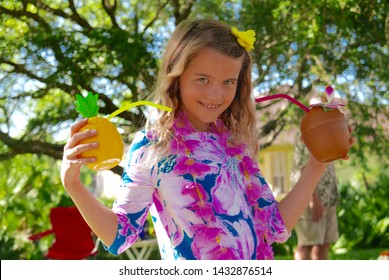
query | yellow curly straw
(138,103)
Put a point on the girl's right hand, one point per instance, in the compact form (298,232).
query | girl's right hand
(71,160)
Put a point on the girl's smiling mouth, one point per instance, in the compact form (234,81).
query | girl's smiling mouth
(209,106)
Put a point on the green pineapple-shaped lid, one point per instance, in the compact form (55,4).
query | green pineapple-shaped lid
(87,106)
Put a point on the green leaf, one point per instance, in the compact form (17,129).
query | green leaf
(87,106)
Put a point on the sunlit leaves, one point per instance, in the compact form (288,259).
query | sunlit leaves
(304,46)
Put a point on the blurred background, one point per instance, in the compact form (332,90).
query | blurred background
(51,50)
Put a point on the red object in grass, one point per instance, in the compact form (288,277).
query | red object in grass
(73,236)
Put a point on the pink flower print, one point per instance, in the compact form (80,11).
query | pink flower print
(276,232)
(269,226)
(247,167)
(187,147)
(157,202)
(226,199)
(173,231)
(264,251)
(209,243)
(261,216)
(191,145)
(230,149)
(174,215)
(234,150)
(261,225)
(203,210)
(125,224)
(182,125)
(187,165)
(129,241)
(245,241)
(195,190)
(219,126)
(253,193)
(206,234)
(201,207)
(223,197)
(221,253)
(267,194)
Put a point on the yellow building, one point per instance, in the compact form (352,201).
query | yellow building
(276,163)
(276,160)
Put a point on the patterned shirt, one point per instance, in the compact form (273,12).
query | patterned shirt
(208,198)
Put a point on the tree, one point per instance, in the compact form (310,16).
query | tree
(51,50)
(306,45)
(56,52)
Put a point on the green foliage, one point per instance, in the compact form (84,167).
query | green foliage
(358,254)
(30,187)
(363,215)
(54,49)
(51,49)
(287,248)
(303,46)
(7,248)
(87,106)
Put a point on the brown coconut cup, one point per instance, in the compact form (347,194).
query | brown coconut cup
(325,133)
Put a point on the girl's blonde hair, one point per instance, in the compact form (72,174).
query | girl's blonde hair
(188,39)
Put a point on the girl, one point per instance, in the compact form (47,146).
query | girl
(195,168)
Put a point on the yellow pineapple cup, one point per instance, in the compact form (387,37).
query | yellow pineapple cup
(110,151)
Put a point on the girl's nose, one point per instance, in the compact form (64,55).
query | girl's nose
(215,94)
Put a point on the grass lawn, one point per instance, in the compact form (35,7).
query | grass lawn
(365,254)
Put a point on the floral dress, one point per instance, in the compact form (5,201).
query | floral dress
(208,198)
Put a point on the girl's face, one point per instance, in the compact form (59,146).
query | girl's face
(208,86)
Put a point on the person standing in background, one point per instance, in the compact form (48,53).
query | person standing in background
(317,228)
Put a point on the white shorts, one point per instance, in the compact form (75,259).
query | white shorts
(320,232)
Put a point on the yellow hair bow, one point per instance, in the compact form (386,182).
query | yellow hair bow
(245,38)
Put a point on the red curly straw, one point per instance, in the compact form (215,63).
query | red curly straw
(281,95)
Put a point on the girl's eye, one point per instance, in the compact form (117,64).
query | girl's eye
(229,82)
(203,80)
